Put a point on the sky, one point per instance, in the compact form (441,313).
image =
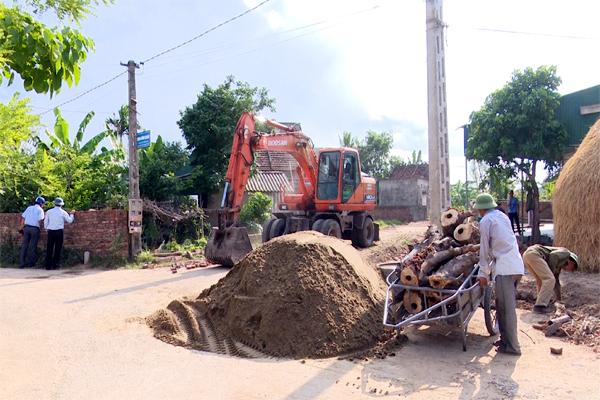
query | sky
(333,66)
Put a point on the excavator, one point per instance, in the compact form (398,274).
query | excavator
(334,196)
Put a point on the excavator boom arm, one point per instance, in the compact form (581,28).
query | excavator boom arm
(246,142)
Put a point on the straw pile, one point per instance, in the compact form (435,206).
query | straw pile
(575,203)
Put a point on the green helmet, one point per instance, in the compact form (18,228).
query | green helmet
(574,257)
(485,201)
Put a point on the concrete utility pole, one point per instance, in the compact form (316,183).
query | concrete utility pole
(439,169)
(135,211)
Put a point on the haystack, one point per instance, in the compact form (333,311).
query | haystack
(576,202)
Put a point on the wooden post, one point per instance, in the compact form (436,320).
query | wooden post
(134,173)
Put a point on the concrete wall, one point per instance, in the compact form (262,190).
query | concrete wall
(402,199)
(101,232)
(545,210)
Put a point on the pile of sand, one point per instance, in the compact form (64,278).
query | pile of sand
(300,295)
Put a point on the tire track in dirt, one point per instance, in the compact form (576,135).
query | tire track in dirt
(196,330)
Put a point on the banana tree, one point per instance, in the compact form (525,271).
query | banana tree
(60,136)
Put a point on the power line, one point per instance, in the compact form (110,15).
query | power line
(206,32)
(536,34)
(158,55)
(84,93)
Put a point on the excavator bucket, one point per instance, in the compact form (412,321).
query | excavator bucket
(228,246)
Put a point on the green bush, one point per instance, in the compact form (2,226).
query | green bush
(257,209)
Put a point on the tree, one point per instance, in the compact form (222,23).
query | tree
(18,125)
(459,192)
(517,128)
(158,164)
(44,57)
(256,209)
(208,127)
(59,137)
(117,126)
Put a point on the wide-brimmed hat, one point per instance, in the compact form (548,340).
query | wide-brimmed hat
(485,201)
(59,202)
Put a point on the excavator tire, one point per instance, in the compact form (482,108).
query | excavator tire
(366,235)
(331,227)
(277,228)
(317,225)
(266,232)
(228,246)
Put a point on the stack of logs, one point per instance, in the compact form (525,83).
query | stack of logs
(441,261)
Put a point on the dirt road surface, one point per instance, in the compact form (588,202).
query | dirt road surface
(81,334)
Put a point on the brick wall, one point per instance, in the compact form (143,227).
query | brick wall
(101,232)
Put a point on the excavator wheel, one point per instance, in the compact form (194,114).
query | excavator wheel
(364,237)
(228,246)
(317,225)
(266,232)
(331,227)
(277,228)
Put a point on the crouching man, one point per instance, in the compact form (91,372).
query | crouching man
(545,263)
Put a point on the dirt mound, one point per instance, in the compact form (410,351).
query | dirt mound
(300,295)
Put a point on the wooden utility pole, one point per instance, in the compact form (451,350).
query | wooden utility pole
(439,166)
(135,230)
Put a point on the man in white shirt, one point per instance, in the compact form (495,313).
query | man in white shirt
(499,259)
(55,225)
(30,229)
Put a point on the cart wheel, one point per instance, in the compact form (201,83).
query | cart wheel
(489,311)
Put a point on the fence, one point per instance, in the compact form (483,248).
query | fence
(103,233)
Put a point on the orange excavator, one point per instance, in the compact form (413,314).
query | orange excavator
(334,196)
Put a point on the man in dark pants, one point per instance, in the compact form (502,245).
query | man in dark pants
(55,224)
(513,212)
(30,228)
(499,259)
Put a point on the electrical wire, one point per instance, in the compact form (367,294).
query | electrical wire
(158,55)
(205,32)
(84,93)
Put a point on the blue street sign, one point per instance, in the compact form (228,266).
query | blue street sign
(142,144)
(143,139)
(143,135)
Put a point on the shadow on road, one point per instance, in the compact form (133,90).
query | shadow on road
(181,276)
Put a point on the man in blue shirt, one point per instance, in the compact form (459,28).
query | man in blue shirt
(30,228)
(513,212)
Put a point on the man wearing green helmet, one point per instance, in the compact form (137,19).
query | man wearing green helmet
(500,260)
(545,263)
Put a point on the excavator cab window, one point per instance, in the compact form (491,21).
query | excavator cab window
(329,170)
(350,176)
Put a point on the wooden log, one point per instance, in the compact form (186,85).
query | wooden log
(445,244)
(439,258)
(554,324)
(467,233)
(408,276)
(451,218)
(412,302)
(454,271)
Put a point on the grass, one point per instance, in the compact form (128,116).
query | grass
(384,223)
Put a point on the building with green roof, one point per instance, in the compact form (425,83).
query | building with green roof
(578,111)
